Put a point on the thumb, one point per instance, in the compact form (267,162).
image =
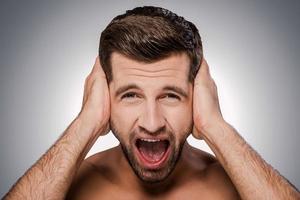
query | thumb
(197,134)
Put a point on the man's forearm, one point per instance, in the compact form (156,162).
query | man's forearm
(252,176)
(51,176)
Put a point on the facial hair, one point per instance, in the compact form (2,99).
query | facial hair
(147,175)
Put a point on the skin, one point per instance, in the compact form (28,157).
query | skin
(236,172)
(145,109)
(152,109)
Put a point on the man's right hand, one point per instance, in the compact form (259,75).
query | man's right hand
(95,111)
(51,176)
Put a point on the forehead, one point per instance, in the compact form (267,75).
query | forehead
(173,68)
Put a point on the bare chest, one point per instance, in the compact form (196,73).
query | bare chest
(178,194)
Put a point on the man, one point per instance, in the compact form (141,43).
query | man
(151,87)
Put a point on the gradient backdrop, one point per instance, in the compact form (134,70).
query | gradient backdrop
(48,48)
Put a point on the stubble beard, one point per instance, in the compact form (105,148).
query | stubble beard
(148,175)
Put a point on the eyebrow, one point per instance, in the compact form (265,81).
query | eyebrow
(173,88)
(176,89)
(122,89)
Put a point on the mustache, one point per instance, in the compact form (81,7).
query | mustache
(158,132)
(169,134)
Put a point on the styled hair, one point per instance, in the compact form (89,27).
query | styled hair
(148,34)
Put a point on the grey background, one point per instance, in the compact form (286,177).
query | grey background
(48,48)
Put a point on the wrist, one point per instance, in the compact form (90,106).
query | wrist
(91,124)
(213,128)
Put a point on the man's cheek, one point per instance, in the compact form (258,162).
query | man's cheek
(124,119)
(179,118)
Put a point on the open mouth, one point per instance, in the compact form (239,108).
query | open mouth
(153,152)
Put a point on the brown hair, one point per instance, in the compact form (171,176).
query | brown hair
(149,34)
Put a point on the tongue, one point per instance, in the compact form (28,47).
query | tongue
(152,151)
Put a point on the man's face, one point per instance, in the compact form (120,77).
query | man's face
(151,112)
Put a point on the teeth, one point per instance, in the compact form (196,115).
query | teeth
(150,140)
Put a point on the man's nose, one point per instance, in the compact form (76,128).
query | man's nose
(152,119)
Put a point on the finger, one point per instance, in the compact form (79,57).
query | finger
(89,80)
(97,68)
(105,131)
(204,68)
(196,133)
(96,65)
(203,74)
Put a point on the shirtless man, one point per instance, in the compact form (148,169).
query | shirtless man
(147,89)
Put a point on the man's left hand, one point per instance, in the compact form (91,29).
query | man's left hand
(206,108)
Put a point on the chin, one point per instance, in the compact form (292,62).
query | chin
(148,174)
(153,177)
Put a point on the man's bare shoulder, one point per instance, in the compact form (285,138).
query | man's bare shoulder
(208,173)
(97,171)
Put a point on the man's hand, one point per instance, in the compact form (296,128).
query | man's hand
(95,109)
(206,108)
(251,175)
(51,176)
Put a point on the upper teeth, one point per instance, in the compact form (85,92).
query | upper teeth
(150,140)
